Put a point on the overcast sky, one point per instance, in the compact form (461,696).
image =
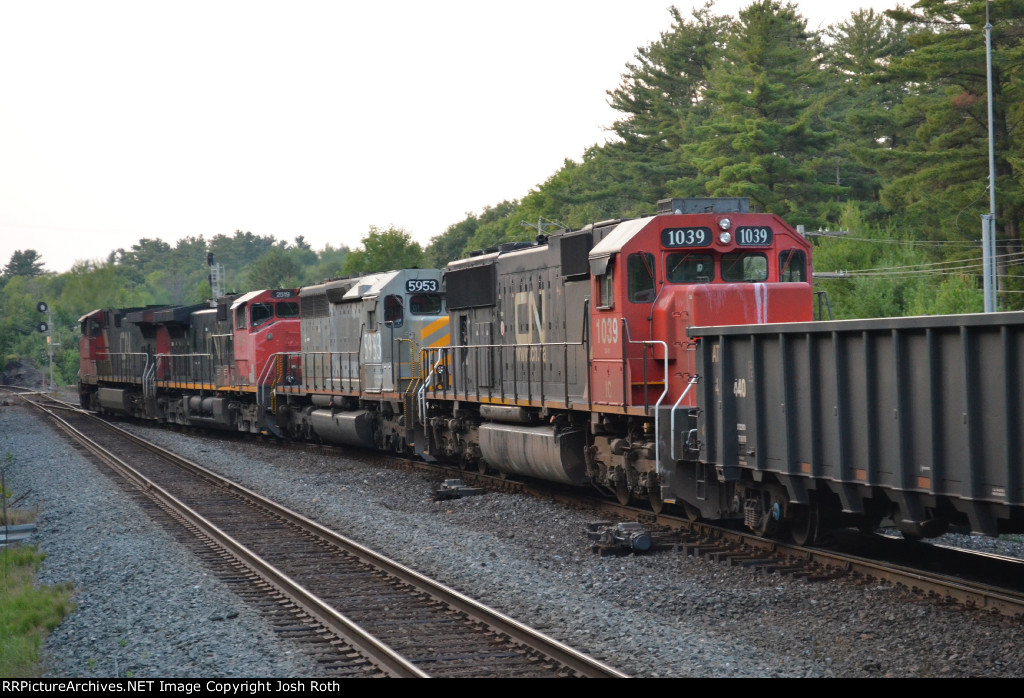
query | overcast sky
(124,120)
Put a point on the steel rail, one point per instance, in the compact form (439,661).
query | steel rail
(567,656)
(366,644)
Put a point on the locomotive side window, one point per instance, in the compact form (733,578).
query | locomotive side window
(744,266)
(792,265)
(425,304)
(688,268)
(640,270)
(240,318)
(288,309)
(605,298)
(393,311)
(261,313)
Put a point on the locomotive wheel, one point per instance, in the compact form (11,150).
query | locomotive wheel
(806,528)
(622,492)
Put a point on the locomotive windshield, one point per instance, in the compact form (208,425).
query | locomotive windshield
(690,268)
(288,309)
(425,304)
(744,266)
(260,313)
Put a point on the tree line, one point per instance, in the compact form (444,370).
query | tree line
(872,134)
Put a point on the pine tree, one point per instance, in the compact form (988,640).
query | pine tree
(764,138)
(23,263)
(662,100)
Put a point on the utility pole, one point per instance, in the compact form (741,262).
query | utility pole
(988,221)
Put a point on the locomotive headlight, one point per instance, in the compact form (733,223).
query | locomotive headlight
(725,224)
(725,238)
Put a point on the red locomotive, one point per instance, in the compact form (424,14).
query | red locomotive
(189,364)
(570,359)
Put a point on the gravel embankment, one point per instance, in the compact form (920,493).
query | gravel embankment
(145,608)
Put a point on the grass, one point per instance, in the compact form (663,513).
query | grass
(27,611)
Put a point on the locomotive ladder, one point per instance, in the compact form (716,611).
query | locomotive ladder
(278,373)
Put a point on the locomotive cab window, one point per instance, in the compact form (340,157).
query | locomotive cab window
(393,311)
(605,297)
(792,265)
(287,309)
(640,269)
(425,304)
(261,313)
(689,268)
(744,266)
(240,317)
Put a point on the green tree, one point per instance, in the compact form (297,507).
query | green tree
(860,100)
(276,269)
(238,251)
(23,263)
(939,173)
(472,233)
(661,99)
(764,138)
(384,250)
(330,263)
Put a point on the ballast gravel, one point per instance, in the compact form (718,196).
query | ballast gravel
(146,608)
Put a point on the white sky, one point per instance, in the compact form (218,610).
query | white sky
(124,120)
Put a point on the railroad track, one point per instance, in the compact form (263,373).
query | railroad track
(974,580)
(363,614)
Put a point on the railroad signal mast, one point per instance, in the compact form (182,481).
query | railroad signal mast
(47,327)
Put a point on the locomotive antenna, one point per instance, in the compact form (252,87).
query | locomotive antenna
(988,221)
(540,225)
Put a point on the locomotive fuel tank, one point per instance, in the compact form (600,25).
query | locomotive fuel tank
(114,400)
(542,452)
(348,428)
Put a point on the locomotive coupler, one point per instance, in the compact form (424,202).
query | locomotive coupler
(628,537)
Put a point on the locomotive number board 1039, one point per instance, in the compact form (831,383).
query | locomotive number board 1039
(686,237)
(753,235)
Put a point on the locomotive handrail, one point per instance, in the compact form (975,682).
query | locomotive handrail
(120,375)
(148,381)
(171,358)
(421,397)
(472,350)
(645,342)
(330,377)
(672,420)
(264,377)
